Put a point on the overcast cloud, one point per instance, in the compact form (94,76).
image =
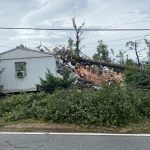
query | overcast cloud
(58,13)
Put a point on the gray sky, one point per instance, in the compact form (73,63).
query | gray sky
(58,13)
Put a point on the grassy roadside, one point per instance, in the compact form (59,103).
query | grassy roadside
(109,107)
(112,109)
(40,126)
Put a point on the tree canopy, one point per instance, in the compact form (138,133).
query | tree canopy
(102,52)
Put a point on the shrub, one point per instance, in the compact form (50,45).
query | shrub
(139,79)
(51,83)
(110,106)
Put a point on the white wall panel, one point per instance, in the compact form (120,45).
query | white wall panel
(36,68)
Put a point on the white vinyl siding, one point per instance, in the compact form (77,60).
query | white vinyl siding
(35,67)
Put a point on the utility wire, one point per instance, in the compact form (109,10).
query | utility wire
(108,44)
(125,38)
(72,29)
(122,39)
(143,38)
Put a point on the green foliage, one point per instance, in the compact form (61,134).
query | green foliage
(110,106)
(71,45)
(121,56)
(1,89)
(21,106)
(51,83)
(130,62)
(139,79)
(1,86)
(102,52)
(147,42)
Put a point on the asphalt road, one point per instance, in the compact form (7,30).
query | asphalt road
(59,141)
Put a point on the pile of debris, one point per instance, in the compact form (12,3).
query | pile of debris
(85,73)
(99,77)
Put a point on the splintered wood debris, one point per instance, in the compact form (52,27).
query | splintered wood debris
(84,72)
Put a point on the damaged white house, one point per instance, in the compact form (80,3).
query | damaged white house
(23,67)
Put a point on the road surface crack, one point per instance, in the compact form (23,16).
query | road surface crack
(14,146)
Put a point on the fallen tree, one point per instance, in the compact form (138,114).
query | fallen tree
(69,57)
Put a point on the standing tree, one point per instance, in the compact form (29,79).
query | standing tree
(102,52)
(148,45)
(113,55)
(78,33)
(133,46)
(70,46)
(121,57)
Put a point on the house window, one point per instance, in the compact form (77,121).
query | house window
(20,68)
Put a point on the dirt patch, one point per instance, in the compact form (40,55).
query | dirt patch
(50,127)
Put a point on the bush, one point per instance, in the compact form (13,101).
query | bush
(51,83)
(139,79)
(19,106)
(113,107)
(110,106)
